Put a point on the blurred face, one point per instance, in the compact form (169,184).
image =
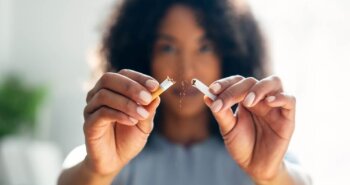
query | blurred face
(182,51)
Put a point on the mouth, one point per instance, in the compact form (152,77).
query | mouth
(185,90)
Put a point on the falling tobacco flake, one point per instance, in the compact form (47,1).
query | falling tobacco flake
(182,93)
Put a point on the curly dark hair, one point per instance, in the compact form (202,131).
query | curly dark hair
(130,37)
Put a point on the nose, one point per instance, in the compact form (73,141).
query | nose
(186,69)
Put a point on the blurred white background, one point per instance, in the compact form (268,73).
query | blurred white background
(310,45)
(49,41)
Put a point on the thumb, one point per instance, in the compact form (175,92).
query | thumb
(225,118)
(146,126)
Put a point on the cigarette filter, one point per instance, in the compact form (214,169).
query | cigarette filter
(166,84)
(203,88)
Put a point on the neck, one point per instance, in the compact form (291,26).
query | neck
(185,130)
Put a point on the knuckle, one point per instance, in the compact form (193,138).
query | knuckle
(108,73)
(124,71)
(87,126)
(239,77)
(101,95)
(102,113)
(251,79)
(128,87)
(230,80)
(276,79)
(85,112)
(104,79)
(88,96)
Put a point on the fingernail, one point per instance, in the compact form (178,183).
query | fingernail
(133,120)
(270,98)
(145,96)
(248,101)
(142,112)
(152,84)
(216,106)
(215,87)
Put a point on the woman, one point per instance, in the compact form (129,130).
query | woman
(191,139)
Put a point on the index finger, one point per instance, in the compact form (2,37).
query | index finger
(141,78)
(123,85)
(220,85)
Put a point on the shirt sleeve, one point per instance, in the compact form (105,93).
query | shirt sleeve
(123,177)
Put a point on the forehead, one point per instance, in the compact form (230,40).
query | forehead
(181,23)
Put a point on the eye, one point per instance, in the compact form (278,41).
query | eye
(167,49)
(205,48)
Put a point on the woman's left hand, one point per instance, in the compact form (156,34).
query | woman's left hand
(258,133)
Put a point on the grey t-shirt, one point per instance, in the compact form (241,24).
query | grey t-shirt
(165,163)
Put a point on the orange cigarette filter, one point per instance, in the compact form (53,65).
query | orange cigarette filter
(166,84)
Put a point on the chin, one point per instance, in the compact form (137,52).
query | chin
(190,112)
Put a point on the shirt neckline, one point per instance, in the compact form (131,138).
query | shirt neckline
(161,141)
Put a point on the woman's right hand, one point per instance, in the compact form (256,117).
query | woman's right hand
(118,119)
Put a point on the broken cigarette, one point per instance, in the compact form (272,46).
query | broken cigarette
(166,84)
(203,88)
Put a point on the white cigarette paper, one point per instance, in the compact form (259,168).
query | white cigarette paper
(203,88)
(166,84)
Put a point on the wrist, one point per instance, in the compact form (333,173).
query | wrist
(280,177)
(97,175)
